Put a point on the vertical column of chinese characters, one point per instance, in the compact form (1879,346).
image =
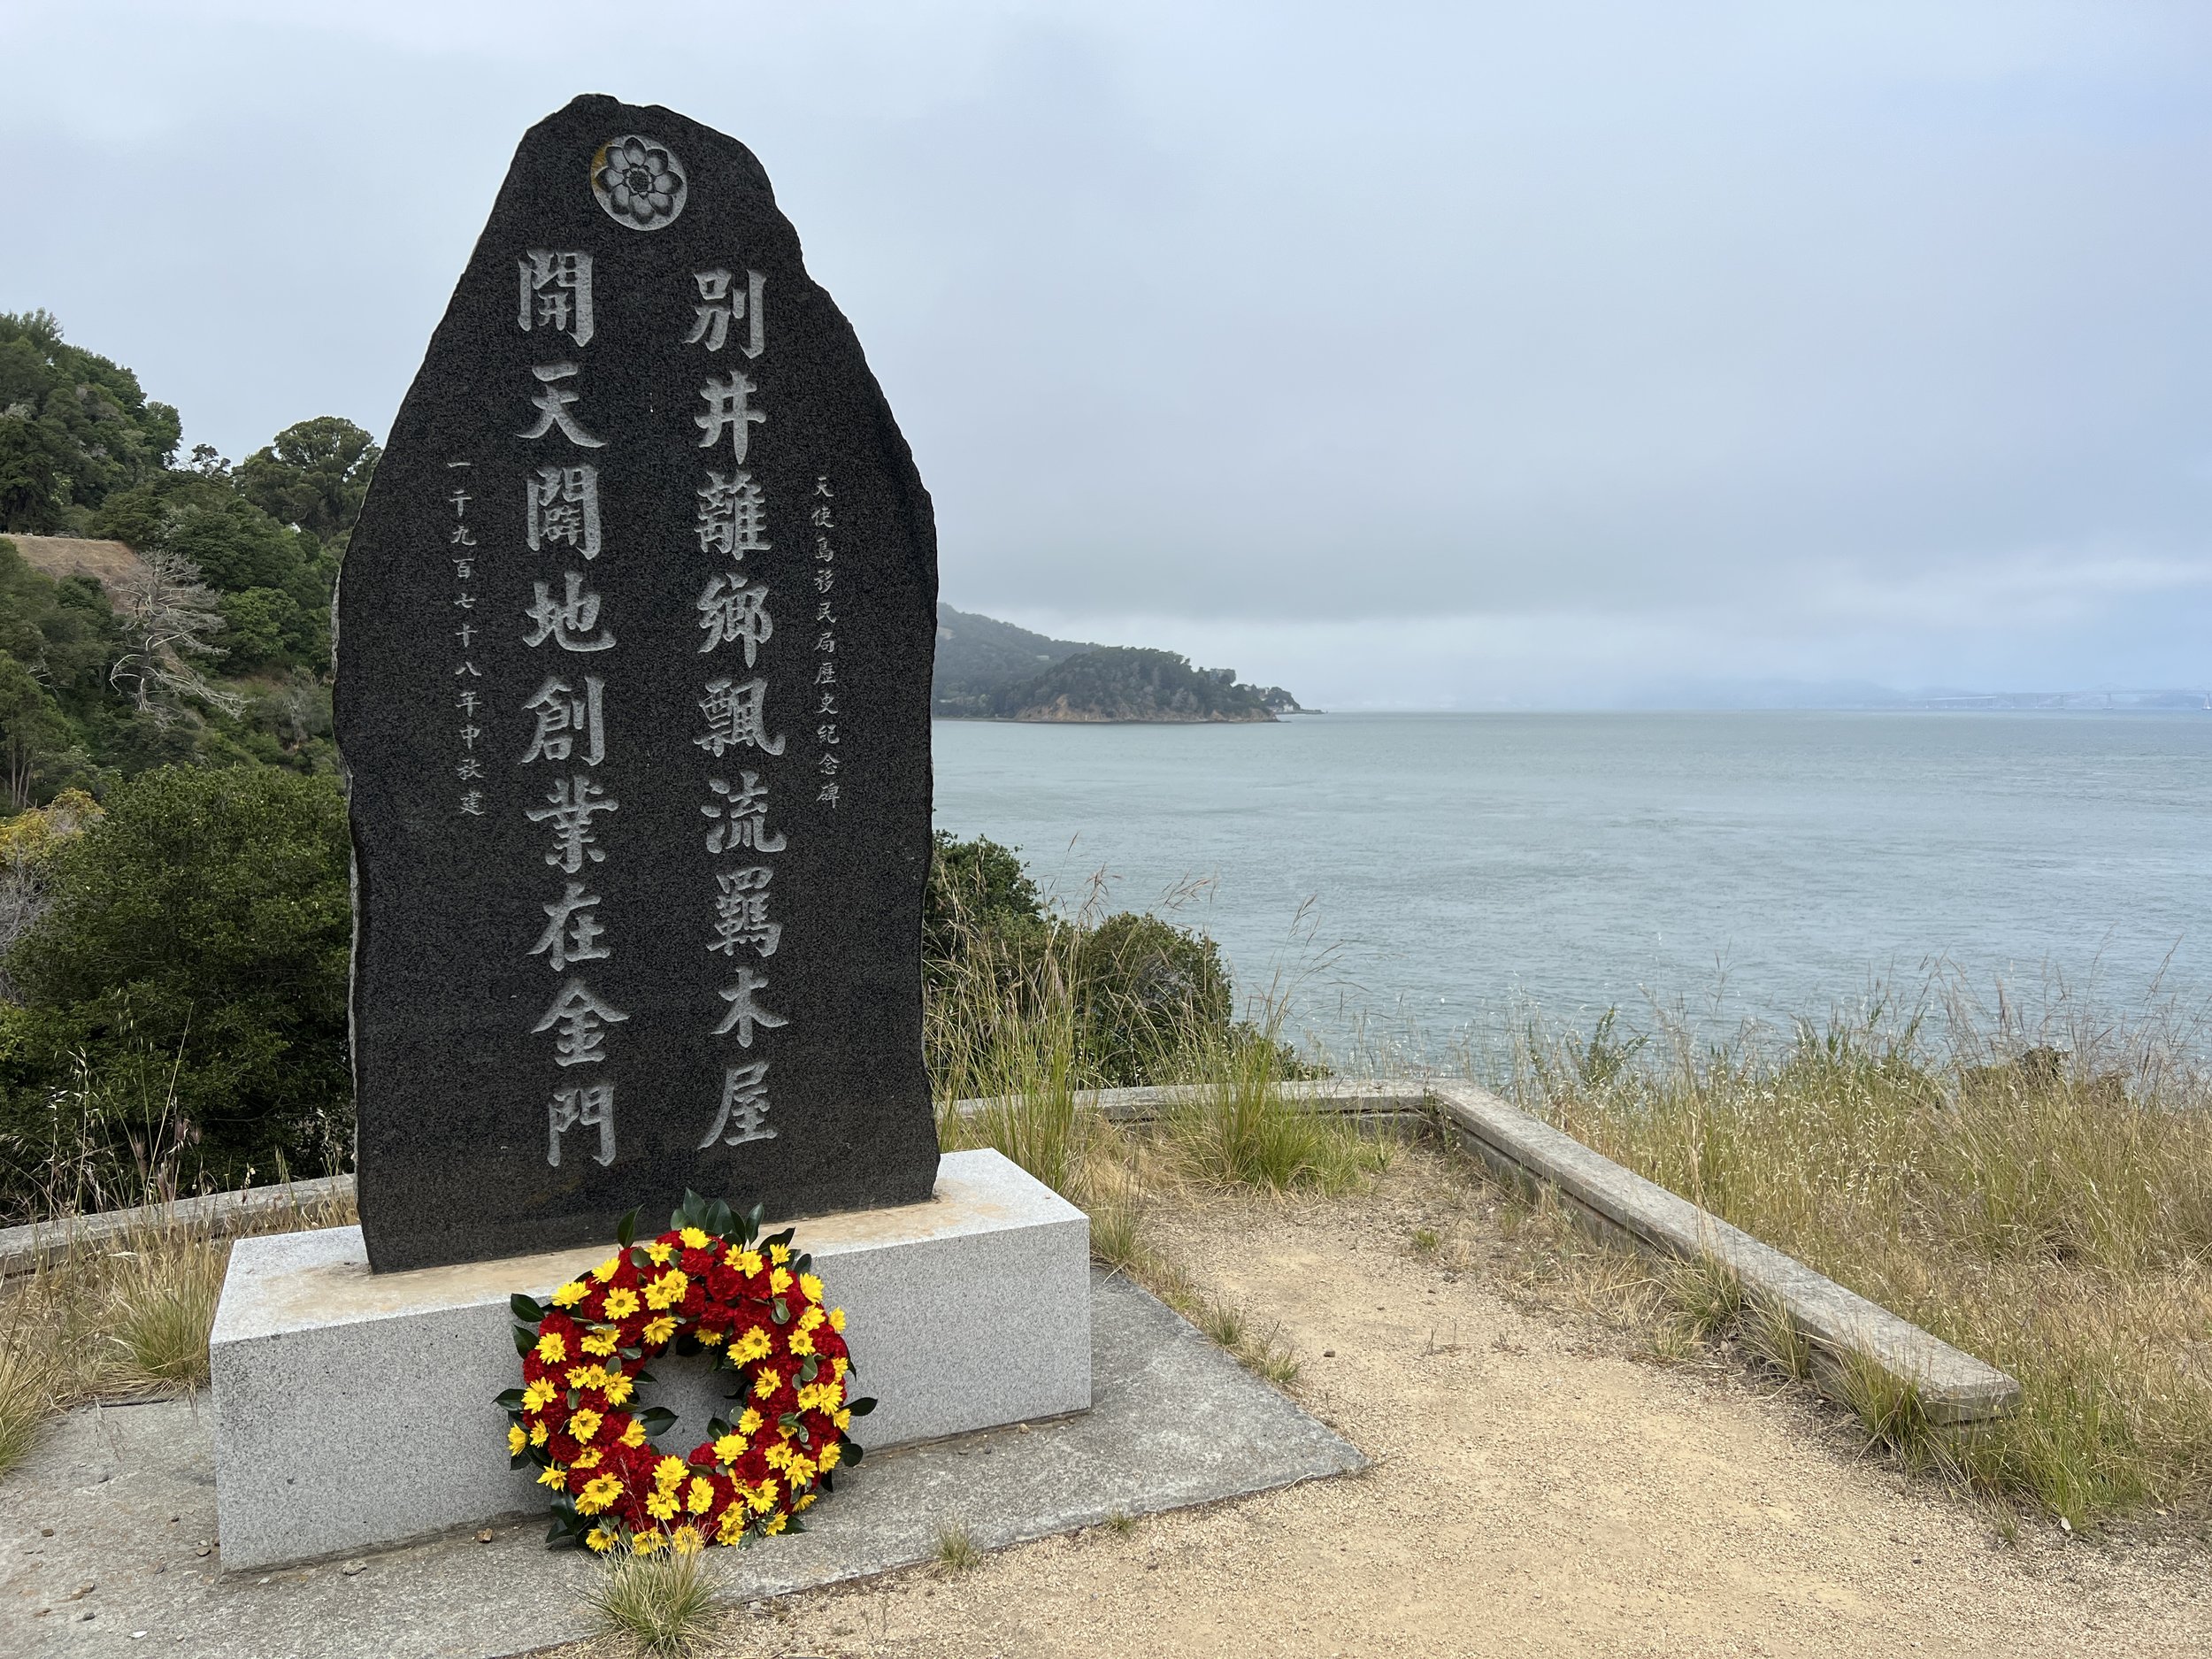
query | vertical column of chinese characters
(731,523)
(827,762)
(568,707)
(469,698)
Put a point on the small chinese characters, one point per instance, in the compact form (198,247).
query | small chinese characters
(468,700)
(827,761)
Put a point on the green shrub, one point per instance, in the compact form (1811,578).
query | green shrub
(185,992)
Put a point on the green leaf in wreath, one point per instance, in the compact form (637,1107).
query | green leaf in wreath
(794,1526)
(807,1372)
(510,1400)
(526,1339)
(655,1418)
(826,1484)
(780,1314)
(860,1407)
(626,1230)
(851,1454)
(643,1376)
(718,1219)
(717,1428)
(526,1308)
(752,1222)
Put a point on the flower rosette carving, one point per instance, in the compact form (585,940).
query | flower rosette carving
(639,182)
(709,1284)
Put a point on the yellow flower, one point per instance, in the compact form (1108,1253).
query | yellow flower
(729,1448)
(702,1498)
(694,1239)
(811,1318)
(668,1474)
(766,1384)
(584,1425)
(581,1376)
(600,1539)
(601,1342)
(635,1435)
(802,1500)
(837,1367)
(799,1471)
(685,1540)
(763,1497)
(554,1477)
(837,1320)
(607,1269)
(844,1419)
(537,1435)
(621,1303)
(599,1493)
(660,1252)
(829,1455)
(662,1506)
(753,1345)
(810,1286)
(661,1329)
(668,1289)
(748,1423)
(746,1262)
(712,1339)
(516,1439)
(650,1543)
(779,1280)
(618,1388)
(538,1395)
(569,1294)
(551,1350)
(774,1524)
(732,1524)
(779,1254)
(800,1344)
(588,1458)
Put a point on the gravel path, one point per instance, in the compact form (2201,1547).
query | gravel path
(1537,1491)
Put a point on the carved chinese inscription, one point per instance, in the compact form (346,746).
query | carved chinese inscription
(655,940)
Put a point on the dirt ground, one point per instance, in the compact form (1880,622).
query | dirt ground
(1540,1488)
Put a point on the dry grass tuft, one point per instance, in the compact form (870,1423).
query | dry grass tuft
(956,1551)
(126,1319)
(661,1604)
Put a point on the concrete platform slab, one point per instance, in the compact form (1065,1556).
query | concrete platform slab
(323,1370)
(129,1494)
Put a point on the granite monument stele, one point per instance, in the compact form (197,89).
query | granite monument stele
(634,639)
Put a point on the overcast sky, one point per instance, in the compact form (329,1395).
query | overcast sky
(1420,356)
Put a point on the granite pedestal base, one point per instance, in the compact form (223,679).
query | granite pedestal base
(355,1410)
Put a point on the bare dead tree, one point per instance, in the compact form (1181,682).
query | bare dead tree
(168,617)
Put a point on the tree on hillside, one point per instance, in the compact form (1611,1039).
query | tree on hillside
(74,427)
(168,618)
(313,476)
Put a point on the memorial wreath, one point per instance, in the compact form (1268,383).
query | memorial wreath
(710,1283)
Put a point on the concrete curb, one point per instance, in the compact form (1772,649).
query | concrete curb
(1526,1153)
(1955,1388)
(220,1215)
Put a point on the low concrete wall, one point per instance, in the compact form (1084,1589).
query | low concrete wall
(220,1215)
(1520,1150)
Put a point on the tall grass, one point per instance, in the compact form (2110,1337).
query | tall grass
(127,1318)
(2033,1184)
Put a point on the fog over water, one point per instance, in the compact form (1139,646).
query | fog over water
(1765,865)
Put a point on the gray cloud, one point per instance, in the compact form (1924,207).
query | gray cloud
(1404,354)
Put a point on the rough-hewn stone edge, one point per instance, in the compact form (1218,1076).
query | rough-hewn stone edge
(1955,1388)
(218,1215)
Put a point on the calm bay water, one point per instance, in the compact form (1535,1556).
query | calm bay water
(1748,865)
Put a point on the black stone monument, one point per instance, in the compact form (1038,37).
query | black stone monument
(635,638)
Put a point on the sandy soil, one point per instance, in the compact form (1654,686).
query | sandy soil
(1537,1490)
